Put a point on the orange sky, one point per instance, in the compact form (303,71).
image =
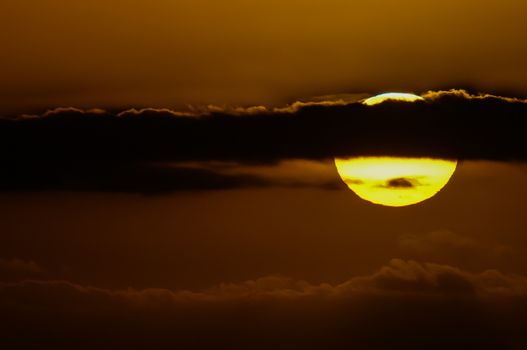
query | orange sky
(227,228)
(198,239)
(169,53)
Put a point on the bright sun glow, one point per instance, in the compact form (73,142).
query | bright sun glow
(392,96)
(395,182)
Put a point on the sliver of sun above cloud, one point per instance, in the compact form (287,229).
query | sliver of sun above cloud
(395,181)
(392,96)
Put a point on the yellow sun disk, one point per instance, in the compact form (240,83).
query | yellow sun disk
(395,182)
(397,96)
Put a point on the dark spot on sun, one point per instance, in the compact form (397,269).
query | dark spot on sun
(400,182)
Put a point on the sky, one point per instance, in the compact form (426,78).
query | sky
(161,53)
(168,174)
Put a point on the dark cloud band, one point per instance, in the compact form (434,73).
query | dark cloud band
(446,125)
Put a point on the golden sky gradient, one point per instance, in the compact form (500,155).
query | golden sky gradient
(161,188)
(198,239)
(164,53)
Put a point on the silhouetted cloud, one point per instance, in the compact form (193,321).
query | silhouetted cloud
(53,151)
(151,178)
(121,177)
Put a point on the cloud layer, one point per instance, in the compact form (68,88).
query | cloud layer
(409,300)
(95,150)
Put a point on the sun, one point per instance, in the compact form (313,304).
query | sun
(397,96)
(393,181)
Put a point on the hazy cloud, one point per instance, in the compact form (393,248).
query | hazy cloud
(19,265)
(446,245)
(161,178)
(19,269)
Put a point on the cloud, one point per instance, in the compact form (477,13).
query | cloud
(401,182)
(19,265)
(399,277)
(402,305)
(53,150)
(153,178)
(415,277)
(122,177)
(285,173)
(18,269)
(445,245)
(435,240)
(463,94)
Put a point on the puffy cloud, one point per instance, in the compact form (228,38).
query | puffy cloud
(399,277)
(402,305)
